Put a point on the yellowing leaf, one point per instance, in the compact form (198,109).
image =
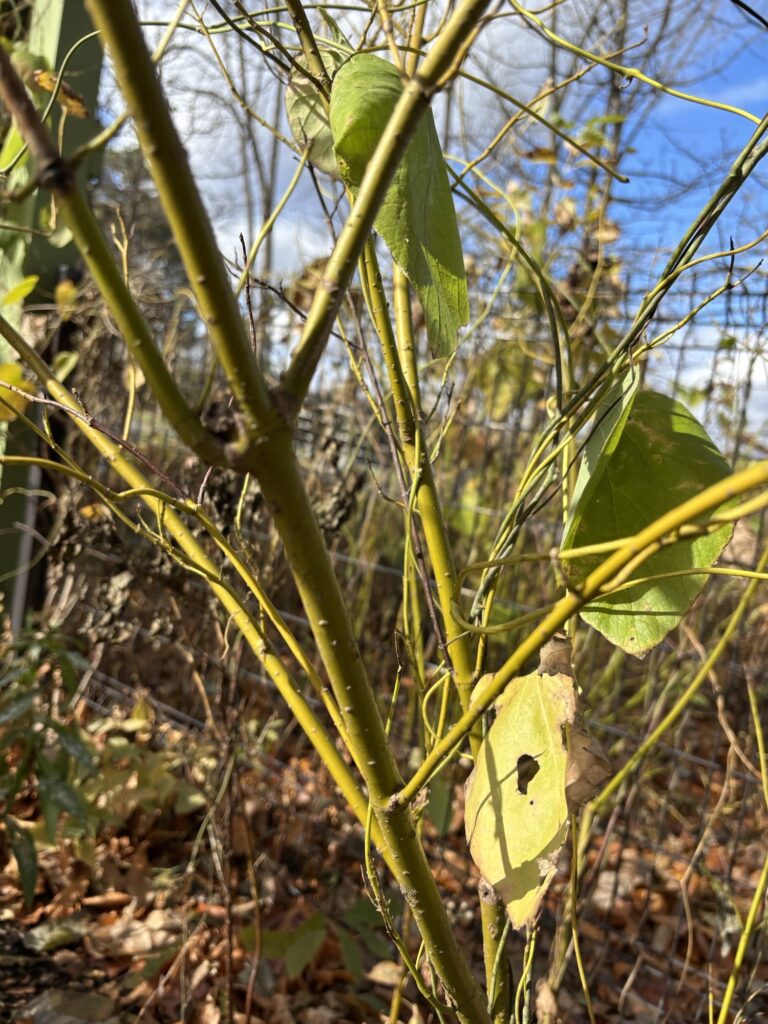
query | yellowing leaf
(65,295)
(541,155)
(20,291)
(516,812)
(12,402)
(98,512)
(69,100)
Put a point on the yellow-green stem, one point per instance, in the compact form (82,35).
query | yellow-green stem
(643,545)
(402,369)
(173,524)
(400,128)
(184,209)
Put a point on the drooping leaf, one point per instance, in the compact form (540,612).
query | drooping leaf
(516,812)
(69,100)
(13,403)
(61,796)
(308,117)
(661,458)
(587,767)
(417,219)
(23,846)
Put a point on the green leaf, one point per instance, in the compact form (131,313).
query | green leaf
(12,146)
(20,291)
(336,34)
(516,811)
(17,707)
(308,117)
(350,952)
(71,741)
(306,942)
(364,919)
(662,458)
(417,219)
(295,947)
(440,804)
(62,796)
(23,846)
(610,419)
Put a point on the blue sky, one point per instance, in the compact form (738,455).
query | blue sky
(696,143)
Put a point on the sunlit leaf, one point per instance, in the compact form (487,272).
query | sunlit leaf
(516,811)
(12,402)
(417,219)
(605,431)
(63,364)
(631,477)
(65,295)
(541,155)
(53,935)
(13,143)
(20,291)
(69,100)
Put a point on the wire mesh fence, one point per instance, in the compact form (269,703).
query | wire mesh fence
(673,864)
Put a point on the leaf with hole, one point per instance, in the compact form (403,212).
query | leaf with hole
(417,219)
(632,474)
(516,811)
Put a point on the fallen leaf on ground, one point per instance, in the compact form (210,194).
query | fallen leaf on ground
(127,937)
(62,1006)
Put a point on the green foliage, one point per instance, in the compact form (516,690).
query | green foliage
(20,291)
(308,116)
(608,424)
(296,946)
(417,219)
(644,459)
(359,927)
(37,754)
(81,778)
